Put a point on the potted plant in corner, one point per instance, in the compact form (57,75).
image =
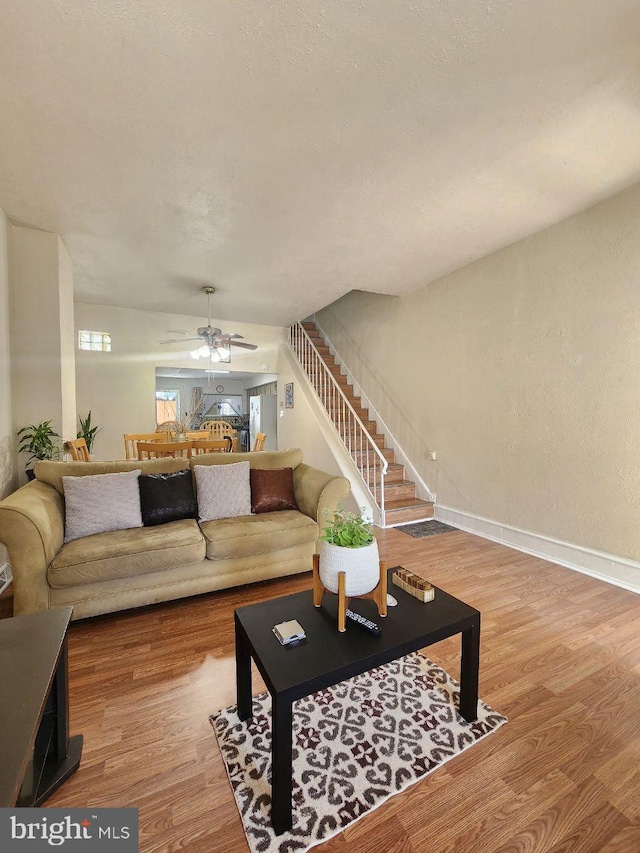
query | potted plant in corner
(347,544)
(87,431)
(40,441)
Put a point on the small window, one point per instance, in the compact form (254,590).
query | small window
(167,406)
(99,341)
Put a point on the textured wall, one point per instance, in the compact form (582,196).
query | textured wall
(522,370)
(42,340)
(8,445)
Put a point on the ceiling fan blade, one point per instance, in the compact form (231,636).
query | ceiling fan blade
(234,335)
(243,346)
(179,340)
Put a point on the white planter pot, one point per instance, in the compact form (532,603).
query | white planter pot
(360,565)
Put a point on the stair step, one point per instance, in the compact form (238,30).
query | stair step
(406,510)
(339,409)
(309,326)
(353,427)
(377,438)
(395,474)
(340,378)
(352,398)
(387,452)
(404,490)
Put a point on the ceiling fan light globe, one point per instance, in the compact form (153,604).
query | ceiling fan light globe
(203,351)
(223,352)
(214,355)
(195,353)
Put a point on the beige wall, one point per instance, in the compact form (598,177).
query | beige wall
(8,445)
(67,342)
(522,370)
(41,331)
(119,387)
(298,427)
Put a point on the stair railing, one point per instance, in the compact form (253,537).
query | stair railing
(365,453)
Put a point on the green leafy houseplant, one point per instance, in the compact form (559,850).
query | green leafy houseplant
(348,547)
(87,431)
(347,530)
(40,441)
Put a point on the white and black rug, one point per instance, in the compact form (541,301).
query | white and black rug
(354,746)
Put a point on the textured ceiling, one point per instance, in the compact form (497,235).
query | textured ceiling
(290,151)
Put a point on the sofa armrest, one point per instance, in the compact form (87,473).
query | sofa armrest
(32,530)
(316,491)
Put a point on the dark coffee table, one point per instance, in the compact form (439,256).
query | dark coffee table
(327,657)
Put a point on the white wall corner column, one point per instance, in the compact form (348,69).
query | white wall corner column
(42,336)
(8,445)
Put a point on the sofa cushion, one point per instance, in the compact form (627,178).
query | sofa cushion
(101,503)
(127,553)
(257,534)
(48,471)
(272,490)
(223,491)
(257,459)
(167,497)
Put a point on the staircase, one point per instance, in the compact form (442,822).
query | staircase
(384,478)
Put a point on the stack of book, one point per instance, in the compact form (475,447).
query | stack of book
(413,584)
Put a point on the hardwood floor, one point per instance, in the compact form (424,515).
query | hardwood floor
(560,657)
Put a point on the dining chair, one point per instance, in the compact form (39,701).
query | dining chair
(159,449)
(212,445)
(77,449)
(131,440)
(172,427)
(218,429)
(261,437)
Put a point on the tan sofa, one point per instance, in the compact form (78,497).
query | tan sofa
(129,568)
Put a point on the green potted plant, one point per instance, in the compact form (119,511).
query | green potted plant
(347,544)
(40,441)
(87,431)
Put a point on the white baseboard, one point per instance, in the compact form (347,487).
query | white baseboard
(607,567)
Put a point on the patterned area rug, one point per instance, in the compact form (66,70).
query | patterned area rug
(426,528)
(354,746)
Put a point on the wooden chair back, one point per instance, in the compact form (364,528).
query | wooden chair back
(213,445)
(198,434)
(218,429)
(78,450)
(261,437)
(158,449)
(131,440)
(171,427)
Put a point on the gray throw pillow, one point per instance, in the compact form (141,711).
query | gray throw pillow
(224,491)
(97,503)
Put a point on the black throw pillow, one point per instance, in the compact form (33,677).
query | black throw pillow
(167,497)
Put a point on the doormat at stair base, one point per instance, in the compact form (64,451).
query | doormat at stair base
(355,745)
(426,528)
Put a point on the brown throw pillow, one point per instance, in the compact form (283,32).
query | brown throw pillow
(272,489)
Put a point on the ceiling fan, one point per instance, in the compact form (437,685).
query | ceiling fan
(215,344)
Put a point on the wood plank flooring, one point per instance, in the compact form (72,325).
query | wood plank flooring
(560,657)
